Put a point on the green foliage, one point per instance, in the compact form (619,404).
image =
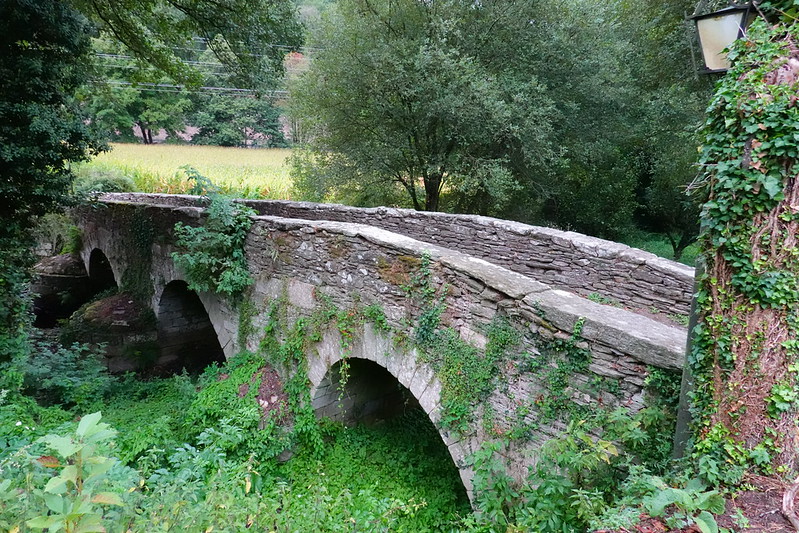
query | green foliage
(43,50)
(150,415)
(288,356)
(72,497)
(749,294)
(227,406)
(67,376)
(214,258)
(55,233)
(594,475)
(401,98)
(692,506)
(466,374)
(240,35)
(90,181)
(236,121)
(77,489)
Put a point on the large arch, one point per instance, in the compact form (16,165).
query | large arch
(186,337)
(404,368)
(101,275)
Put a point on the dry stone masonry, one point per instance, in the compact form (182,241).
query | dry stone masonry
(533,282)
(565,259)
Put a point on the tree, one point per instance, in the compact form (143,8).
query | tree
(227,120)
(402,97)
(43,45)
(249,36)
(745,360)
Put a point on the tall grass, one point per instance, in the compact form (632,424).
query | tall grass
(250,173)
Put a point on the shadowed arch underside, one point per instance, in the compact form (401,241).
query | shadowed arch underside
(382,381)
(359,391)
(101,275)
(186,337)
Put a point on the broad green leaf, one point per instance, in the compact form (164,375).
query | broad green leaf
(45,522)
(90,524)
(56,485)
(54,502)
(706,523)
(658,503)
(69,473)
(695,485)
(87,424)
(711,501)
(64,446)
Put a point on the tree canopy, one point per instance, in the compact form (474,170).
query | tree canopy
(249,36)
(43,47)
(579,113)
(404,94)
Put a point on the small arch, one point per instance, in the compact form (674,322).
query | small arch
(101,275)
(186,336)
(368,394)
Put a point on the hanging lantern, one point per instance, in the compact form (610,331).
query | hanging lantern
(718,30)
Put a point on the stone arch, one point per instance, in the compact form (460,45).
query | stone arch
(101,274)
(186,337)
(368,394)
(403,366)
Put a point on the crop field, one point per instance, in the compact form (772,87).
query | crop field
(252,173)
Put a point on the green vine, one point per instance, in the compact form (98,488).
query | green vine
(214,257)
(743,360)
(136,278)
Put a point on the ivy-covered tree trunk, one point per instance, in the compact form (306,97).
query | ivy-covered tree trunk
(745,359)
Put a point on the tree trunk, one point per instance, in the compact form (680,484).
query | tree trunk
(146,135)
(746,354)
(432,191)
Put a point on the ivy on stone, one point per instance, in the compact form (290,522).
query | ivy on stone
(214,258)
(744,358)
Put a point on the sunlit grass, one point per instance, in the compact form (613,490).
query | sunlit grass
(252,173)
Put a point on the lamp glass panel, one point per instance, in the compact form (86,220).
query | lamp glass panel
(716,34)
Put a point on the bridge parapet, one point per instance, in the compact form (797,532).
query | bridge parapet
(564,259)
(306,264)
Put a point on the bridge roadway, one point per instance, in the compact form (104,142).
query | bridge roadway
(482,270)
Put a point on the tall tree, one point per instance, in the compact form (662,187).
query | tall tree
(43,45)
(400,97)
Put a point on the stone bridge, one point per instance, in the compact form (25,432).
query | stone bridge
(495,329)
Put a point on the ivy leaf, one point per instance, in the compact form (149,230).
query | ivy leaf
(773,186)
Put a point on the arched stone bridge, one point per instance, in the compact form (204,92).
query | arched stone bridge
(544,283)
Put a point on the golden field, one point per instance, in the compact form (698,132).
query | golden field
(248,172)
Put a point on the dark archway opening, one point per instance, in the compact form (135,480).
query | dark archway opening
(101,276)
(392,440)
(359,391)
(186,337)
